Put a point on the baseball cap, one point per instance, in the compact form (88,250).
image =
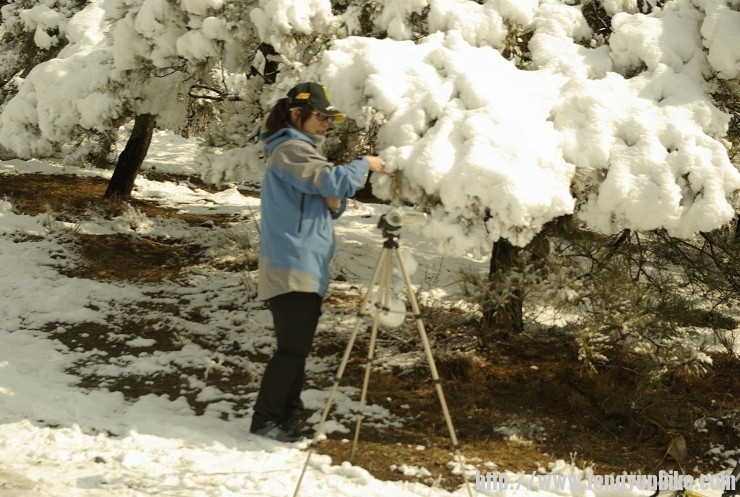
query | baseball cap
(316,96)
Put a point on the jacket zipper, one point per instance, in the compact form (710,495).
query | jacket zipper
(300,216)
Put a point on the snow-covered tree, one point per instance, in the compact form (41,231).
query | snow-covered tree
(161,51)
(59,102)
(126,59)
(498,116)
(31,33)
(502,116)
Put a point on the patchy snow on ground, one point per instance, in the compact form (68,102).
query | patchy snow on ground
(58,439)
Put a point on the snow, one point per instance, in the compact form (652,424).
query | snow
(60,440)
(722,33)
(442,123)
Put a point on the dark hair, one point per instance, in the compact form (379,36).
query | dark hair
(279,116)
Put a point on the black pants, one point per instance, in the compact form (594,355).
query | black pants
(295,316)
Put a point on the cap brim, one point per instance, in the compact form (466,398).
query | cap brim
(337,116)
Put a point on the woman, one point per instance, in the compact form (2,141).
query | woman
(301,193)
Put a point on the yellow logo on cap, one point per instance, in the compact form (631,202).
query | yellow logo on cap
(302,96)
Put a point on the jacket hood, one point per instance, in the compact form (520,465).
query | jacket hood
(284,134)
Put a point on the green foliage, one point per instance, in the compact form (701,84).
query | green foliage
(645,297)
(95,148)
(513,275)
(19,44)
(727,97)
(654,304)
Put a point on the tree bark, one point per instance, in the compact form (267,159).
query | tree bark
(505,312)
(129,162)
(263,65)
(508,317)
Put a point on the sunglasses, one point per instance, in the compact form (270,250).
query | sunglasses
(321,117)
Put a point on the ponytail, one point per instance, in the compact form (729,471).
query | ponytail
(279,116)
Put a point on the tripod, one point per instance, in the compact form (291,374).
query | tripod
(382,276)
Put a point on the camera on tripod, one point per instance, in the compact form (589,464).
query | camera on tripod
(394,219)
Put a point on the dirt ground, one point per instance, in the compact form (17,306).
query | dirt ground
(531,384)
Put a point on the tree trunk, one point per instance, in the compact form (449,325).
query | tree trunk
(511,270)
(129,162)
(264,64)
(509,316)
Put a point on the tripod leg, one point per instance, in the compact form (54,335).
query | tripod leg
(340,371)
(382,302)
(432,367)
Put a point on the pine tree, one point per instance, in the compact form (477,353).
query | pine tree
(32,32)
(159,59)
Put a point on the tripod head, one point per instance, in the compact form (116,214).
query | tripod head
(392,221)
(391,231)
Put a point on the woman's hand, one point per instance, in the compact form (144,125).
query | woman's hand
(333,203)
(377,165)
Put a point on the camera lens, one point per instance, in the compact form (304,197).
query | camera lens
(394,218)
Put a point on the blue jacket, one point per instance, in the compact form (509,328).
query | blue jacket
(297,235)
